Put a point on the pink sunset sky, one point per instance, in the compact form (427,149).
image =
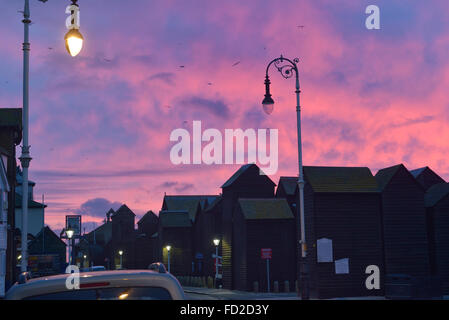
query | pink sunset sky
(100,123)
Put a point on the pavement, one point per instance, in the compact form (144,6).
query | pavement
(195,293)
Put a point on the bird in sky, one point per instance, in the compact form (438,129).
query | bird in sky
(236,63)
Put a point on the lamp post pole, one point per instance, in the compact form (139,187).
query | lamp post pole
(288,68)
(121,259)
(168,257)
(74,42)
(25,157)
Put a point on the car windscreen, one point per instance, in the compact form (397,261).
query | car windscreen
(135,293)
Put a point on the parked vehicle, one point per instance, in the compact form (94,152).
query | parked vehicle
(93,268)
(158,267)
(100,285)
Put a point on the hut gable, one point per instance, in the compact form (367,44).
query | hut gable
(148,223)
(246,174)
(52,243)
(385,176)
(123,211)
(436,193)
(265,209)
(287,186)
(340,179)
(426,177)
(100,235)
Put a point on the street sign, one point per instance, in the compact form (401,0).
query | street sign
(266,253)
(73,222)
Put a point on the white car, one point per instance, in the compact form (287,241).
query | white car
(100,285)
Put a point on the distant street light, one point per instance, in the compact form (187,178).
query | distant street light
(168,257)
(120,253)
(216,243)
(288,68)
(74,42)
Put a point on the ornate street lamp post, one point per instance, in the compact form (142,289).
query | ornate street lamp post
(74,44)
(288,68)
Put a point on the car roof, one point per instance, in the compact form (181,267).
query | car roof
(116,278)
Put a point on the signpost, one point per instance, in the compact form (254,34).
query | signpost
(217,265)
(73,222)
(266,254)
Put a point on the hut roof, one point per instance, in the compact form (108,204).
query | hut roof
(31,203)
(123,210)
(385,175)
(173,219)
(147,215)
(188,203)
(48,233)
(239,173)
(341,179)
(436,193)
(263,209)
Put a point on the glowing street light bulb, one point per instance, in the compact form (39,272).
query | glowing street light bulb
(74,42)
(70,233)
(216,242)
(120,252)
(168,248)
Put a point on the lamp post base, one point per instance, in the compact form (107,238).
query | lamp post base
(303,280)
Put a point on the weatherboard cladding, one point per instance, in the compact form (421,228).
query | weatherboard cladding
(279,235)
(248,183)
(437,200)
(342,204)
(174,219)
(253,232)
(404,223)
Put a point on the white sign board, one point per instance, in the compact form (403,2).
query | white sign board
(324,250)
(342,266)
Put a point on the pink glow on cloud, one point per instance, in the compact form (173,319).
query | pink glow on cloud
(100,123)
